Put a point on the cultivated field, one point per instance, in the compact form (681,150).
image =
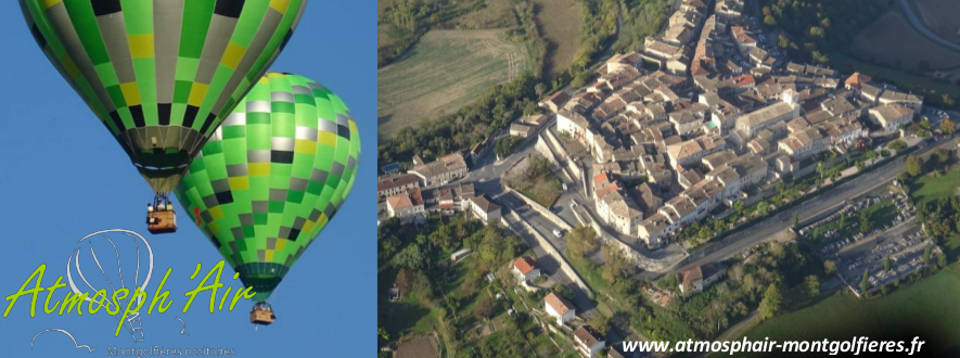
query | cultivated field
(941,17)
(892,41)
(560,22)
(418,347)
(444,71)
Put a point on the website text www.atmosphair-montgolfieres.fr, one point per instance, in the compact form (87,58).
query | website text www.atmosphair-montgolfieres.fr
(113,304)
(853,346)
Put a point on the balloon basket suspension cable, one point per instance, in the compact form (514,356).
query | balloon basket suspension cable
(161,218)
(262,314)
(135,327)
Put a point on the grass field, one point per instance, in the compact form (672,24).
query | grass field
(927,309)
(941,17)
(444,71)
(934,187)
(544,189)
(890,40)
(494,14)
(560,22)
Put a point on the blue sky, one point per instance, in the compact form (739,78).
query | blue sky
(62,176)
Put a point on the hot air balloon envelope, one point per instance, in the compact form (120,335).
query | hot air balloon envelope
(161,74)
(272,176)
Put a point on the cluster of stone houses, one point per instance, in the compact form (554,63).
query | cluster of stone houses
(671,50)
(433,188)
(704,128)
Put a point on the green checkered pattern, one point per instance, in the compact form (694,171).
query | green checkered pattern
(161,74)
(272,176)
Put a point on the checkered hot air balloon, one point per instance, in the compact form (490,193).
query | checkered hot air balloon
(161,74)
(271,177)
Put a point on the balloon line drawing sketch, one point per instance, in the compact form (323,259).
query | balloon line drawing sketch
(134,322)
(183,325)
(66,333)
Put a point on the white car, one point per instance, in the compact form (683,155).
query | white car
(557,233)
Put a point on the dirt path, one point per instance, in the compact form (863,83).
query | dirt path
(923,29)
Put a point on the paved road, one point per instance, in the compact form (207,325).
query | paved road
(922,28)
(766,229)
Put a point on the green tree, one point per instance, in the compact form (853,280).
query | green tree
(505,146)
(411,257)
(763,208)
(614,264)
(738,206)
(816,31)
(886,263)
(897,145)
(769,21)
(772,302)
(483,308)
(829,267)
(796,221)
(564,292)
(813,285)
(496,248)
(948,100)
(599,323)
(914,165)
(782,41)
(865,223)
(704,232)
(582,240)
(948,126)
(382,333)
(540,88)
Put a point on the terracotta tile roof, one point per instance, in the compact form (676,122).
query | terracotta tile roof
(740,34)
(399,201)
(586,336)
(558,304)
(856,79)
(524,265)
(744,80)
(558,98)
(691,275)
(393,181)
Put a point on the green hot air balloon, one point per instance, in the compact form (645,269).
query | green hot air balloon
(271,177)
(161,74)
